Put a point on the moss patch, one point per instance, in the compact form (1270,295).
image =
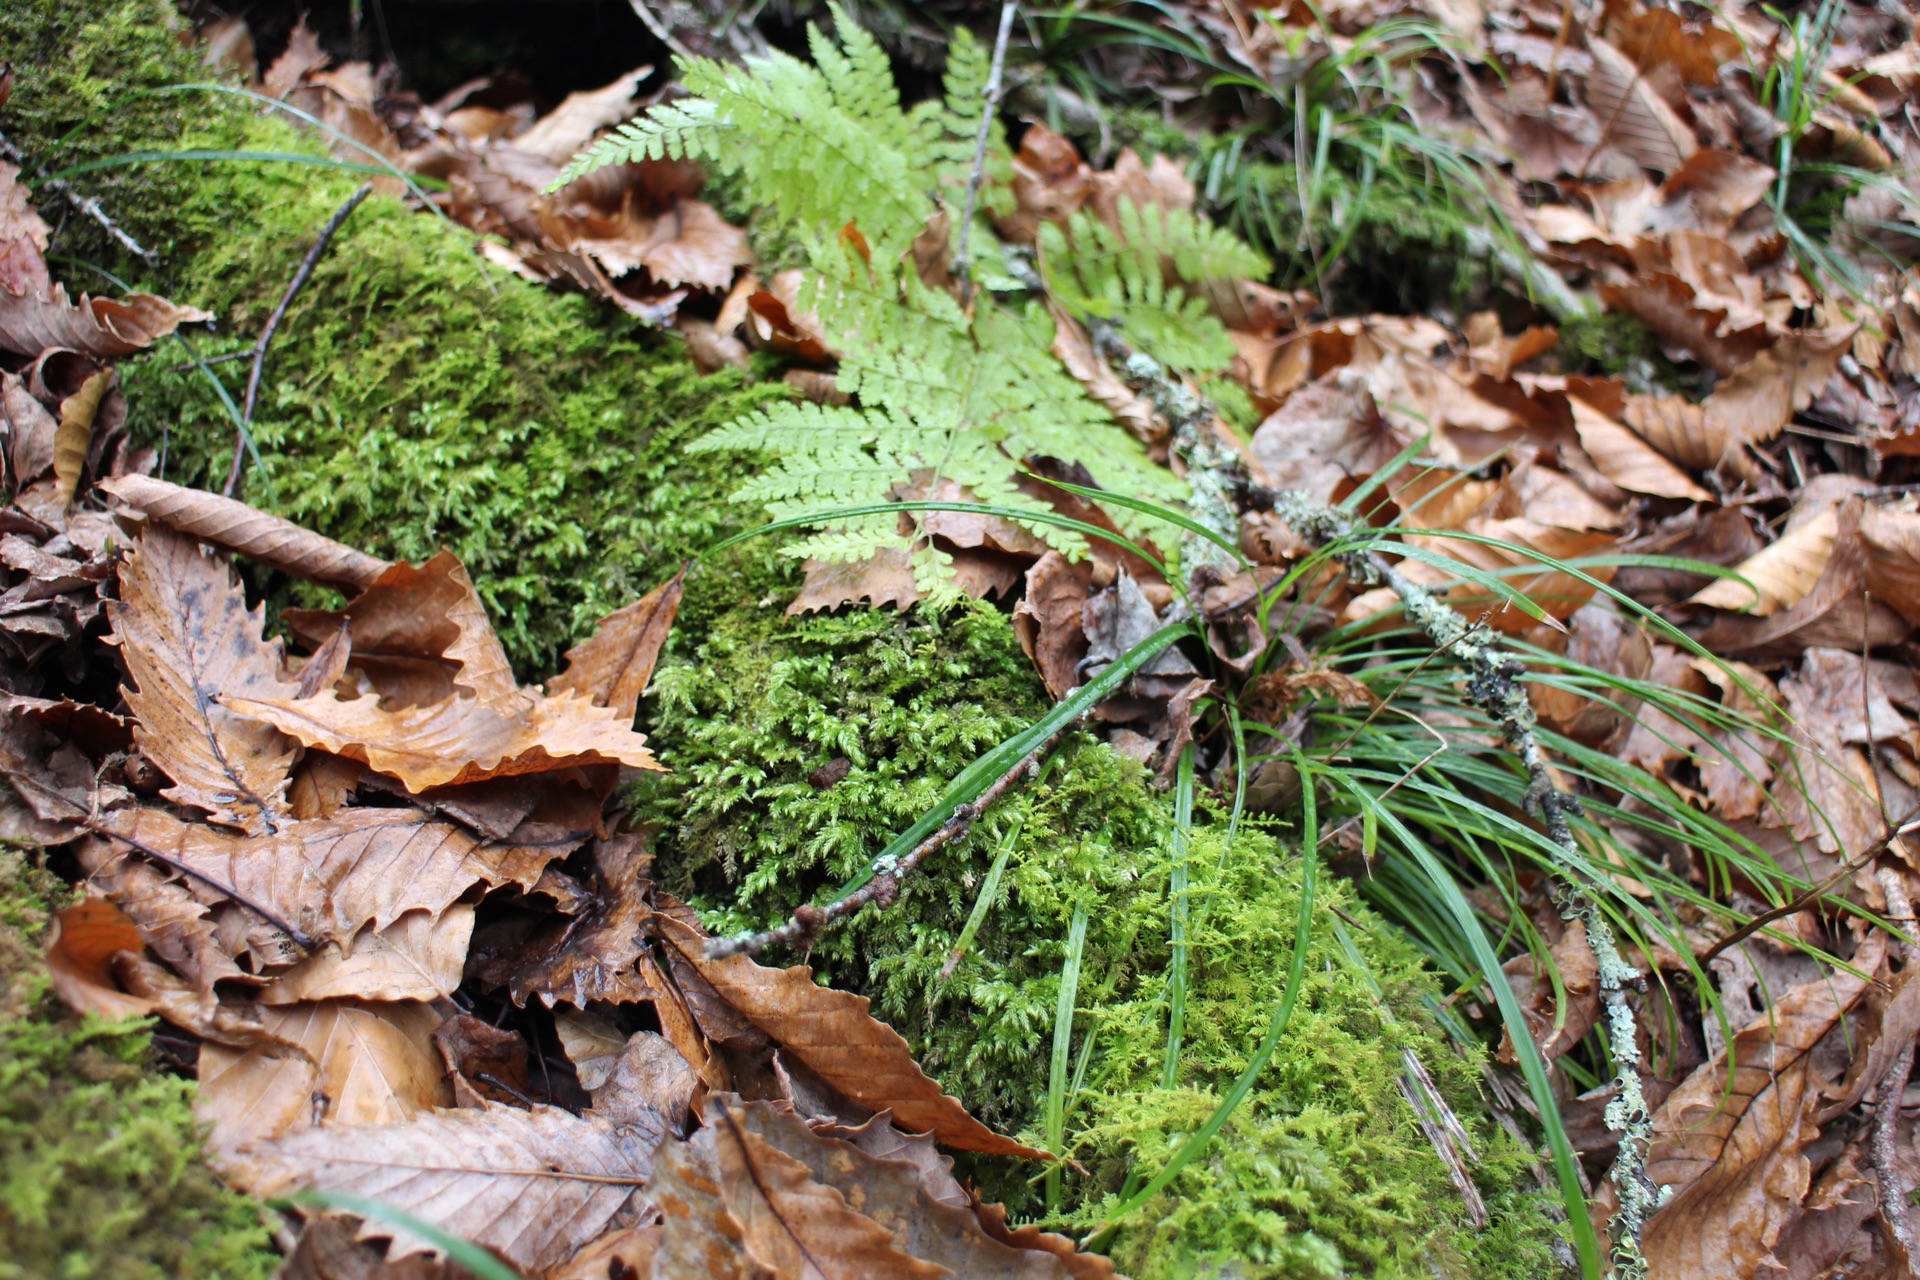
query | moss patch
(101,1172)
(415,396)
(1323,1172)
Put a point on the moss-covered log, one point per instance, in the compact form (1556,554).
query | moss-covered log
(417,397)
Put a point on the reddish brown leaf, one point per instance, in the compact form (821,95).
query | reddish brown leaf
(1048,622)
(80,950)
(833,1034)
(612,666)
(593,956)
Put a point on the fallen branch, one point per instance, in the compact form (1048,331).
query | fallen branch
(1218,478)
(1896,1192)
(85,205)
(300,279)
(992,95)
(889,874)
(1493,685)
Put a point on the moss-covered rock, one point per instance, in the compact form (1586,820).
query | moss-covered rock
(101,1171)
(415,395)
(1323,1171)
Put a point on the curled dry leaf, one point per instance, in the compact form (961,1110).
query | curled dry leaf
(458,740)
(237,527)
(81,947)
(533,1186)
(420,956)
(1555,1027)
(834,1035)
(1891,540)
(98,327)
(188,638)
(1627,459)
(331,877)
(1729,1140)
(594,956)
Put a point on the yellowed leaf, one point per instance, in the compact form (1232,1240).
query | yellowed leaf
(1781,575)
(1627,459)
(343,1062)
(76,433)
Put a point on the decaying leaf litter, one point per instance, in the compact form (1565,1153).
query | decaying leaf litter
(1811,623)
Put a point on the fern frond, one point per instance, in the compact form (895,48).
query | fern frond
(671,131)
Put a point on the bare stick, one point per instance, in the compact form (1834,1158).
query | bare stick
(992,95)
(86,205)
(300,279)
(661,31)
(1895,1190)
(807,921)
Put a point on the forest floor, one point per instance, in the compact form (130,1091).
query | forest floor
(1161,639)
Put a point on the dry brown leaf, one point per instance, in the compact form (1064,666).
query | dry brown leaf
(98,327)
(627,1252)
(330,1248)
(1781,575)
(420,633)
(1627,459)
(485,1063)
(76,433)
(1891,540)
(1325,432)
(345,1062)
(30,431)
(188,638)
(420,956)
(569,127)
(612,666)
(1671,309)
(833,1033)
(533,1186)
(1730,1145)
(1632,116)
(1048,621)
(1762,396)
(1556,1028)
(81,947)
(894,1194)
(237,527)
(647,1075)
(593,956)
(457,740)
(175,923)
(735,1205)
(23,238)
(330,878)
(882,579)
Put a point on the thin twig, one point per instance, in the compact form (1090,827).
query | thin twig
(300,279)
(1884,1150)
(661,31)
(992,96)
(85,204)
(807,921)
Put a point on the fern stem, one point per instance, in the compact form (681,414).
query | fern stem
(992,95)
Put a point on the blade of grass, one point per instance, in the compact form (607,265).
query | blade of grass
(462,1253)
(1062,1047)
(1177,913)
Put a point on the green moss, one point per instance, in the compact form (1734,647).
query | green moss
(101,1171)
(415,396)
(1323,1172)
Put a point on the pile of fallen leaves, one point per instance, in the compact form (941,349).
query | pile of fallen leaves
(374,884)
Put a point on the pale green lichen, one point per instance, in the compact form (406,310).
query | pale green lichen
(1323,1171)
(101,1170)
